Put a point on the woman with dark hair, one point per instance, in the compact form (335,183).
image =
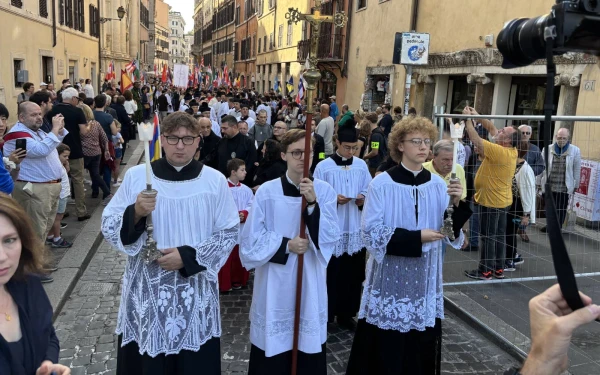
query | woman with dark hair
(271,166)
(124,119)
(129,104)
(145,103)
(28,343)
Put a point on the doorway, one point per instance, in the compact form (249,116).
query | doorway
(47,69)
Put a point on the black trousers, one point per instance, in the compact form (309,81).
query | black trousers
(345,275)
(281,364)
(389,352)
(92,164)
(511,234)
(206,361)
(561,201)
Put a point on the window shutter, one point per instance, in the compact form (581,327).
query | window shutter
(69,13)
(61,12)
(16,3)
(81,16)
(44,8)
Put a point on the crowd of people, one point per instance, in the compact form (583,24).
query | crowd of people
(229,184)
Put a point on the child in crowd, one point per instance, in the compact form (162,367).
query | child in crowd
(54,237)
(233,275)
(118,142)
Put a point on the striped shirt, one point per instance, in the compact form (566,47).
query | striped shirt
(41,163)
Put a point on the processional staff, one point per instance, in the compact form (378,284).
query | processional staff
(312,76)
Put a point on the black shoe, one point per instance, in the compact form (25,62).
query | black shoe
(543,230)
(347,323)
(95,195)
(509,266)
(477,274)
(65,215)
(84,217)
(519,259)
(123,163)
(63,225)
(46,279)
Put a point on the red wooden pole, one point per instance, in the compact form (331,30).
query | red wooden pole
(307,158)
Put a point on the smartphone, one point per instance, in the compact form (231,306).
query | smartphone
(21,143)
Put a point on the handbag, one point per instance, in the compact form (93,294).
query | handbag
(146,106)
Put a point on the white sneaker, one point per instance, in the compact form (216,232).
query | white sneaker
(119,179)
(87,182)
(117,184)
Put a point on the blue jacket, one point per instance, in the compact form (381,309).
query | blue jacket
(6,181)
(35,314)
(535,160)
(333,111)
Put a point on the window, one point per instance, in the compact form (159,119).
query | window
(280,36)
(361,4)
(259,45)
(16,3)
(94,21)
(61,12)
(69,13)
(265,44)
(44,8)
(289,34)
(144,15)
(271,41)
(272,3)
(260,7)
(237,16)
(17,65)
(78,16)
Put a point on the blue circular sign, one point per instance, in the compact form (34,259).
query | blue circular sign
(413,53)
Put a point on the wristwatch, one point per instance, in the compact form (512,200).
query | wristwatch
(311,203)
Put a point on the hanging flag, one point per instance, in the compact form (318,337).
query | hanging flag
(202,62)
(155,146)
(300,94)
(226,76)
(290,85)
(276,86)
(109,72)
(137,71)
(130,68)
(126,82)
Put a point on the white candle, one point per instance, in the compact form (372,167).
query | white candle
(148,172)
(455,156)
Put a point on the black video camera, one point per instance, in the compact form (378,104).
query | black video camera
(574,24)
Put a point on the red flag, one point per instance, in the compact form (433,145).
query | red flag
(164,74)
(126,82)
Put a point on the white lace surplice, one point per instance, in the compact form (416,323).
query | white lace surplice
(349,181)
(160,310)
(272,217)
(403,293)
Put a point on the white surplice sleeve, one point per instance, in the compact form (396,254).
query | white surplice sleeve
(113,214)
(329,231)
(213,252)
(258,244)
(375,234)
(365,182)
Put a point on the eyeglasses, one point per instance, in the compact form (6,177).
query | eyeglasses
(297,154)
(348,148)
(562,138)
(187,141)
(419,141)
(280,128)
(526,133)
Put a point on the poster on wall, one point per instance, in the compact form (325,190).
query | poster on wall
(181,75)
(414,49)
(587,195)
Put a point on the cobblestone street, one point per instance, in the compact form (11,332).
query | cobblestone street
(87,322)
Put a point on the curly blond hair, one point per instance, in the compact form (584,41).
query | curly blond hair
(407,126)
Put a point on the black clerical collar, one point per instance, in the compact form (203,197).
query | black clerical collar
(401,175)
(289,188)
(165,171)
(339,160)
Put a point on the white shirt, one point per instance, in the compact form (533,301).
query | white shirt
(130,107)
(89,91)
(65,187)
(325,129)
(273,217)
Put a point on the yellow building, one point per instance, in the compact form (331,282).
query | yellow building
(36,49)
(277,44)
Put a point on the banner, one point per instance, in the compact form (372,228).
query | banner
(587,195)
(181,74)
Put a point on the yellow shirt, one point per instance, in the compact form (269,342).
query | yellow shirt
(460,174)
(493,182)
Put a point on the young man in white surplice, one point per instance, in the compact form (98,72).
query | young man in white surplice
(271,244)
(399,329)
(169,320)
(350,178)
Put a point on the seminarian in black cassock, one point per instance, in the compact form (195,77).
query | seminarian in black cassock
(169,318)
(399,330)
(209,143)
(350,178)
(235,145)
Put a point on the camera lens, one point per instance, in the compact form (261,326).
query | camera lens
(521,41)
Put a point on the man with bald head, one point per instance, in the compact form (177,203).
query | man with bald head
(209,141)
(534,155)
(493,194)
(326,128)
(564,167)
(243,127)
(41,170)
(279,130)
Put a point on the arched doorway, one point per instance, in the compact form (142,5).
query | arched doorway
(328,84)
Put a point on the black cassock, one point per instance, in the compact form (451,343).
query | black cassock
(389,351)
(240,147)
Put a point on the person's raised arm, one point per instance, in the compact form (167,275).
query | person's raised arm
(472,132)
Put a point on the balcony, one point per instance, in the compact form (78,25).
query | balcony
(330,48)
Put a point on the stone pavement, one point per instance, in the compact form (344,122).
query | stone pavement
(86,326)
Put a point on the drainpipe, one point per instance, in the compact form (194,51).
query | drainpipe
(347,39)
(53,24)
(408,80)
(100,28)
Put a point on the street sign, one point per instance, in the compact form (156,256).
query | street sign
(411,49)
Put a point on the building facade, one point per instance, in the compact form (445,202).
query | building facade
(162,38)
(178,49)
(189,41)
(223,35)
(246,26)
(277,45)
(36,51)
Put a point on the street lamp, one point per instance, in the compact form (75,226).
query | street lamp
(120,13)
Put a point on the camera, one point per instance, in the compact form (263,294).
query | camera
(576,26)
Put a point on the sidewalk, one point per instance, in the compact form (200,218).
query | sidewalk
(85,237)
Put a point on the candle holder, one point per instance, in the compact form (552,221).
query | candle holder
(150,251)
(447,228)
